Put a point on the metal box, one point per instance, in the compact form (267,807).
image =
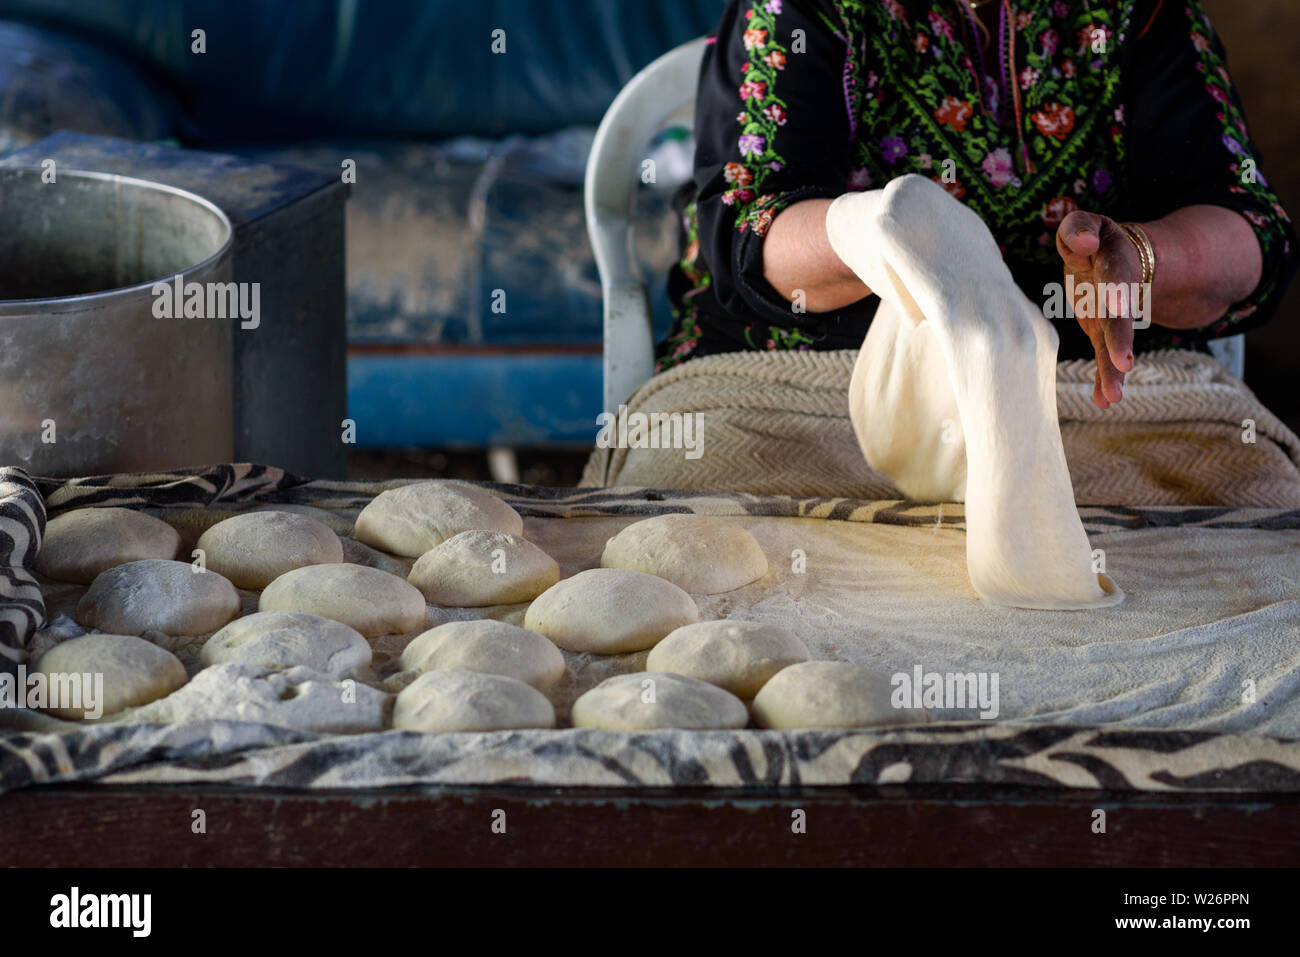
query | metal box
(288,374)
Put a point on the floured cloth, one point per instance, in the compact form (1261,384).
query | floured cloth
(1193,683)
(1187,432)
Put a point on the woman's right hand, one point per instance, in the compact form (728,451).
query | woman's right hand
(1095,250)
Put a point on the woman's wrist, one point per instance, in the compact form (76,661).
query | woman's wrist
(1207,259)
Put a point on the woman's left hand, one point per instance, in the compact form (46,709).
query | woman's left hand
(1095,249)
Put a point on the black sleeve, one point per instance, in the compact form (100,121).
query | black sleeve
(772,128)
(1188,144)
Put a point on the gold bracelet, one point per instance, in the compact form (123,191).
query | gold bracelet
(1146,255)
(1146,251)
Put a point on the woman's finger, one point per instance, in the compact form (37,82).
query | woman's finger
(1119,269)
(1109,387)
(1118,333)
(1098,397)
(1112,380)
(1079,237)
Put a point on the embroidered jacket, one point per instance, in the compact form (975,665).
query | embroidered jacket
(1118,107)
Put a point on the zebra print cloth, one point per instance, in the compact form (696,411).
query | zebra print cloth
(22,525)
(232,752)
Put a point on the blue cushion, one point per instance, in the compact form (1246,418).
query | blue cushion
(418,68)
(51,81)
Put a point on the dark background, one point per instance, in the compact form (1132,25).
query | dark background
(1263,42)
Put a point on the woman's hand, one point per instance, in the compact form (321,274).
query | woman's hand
(1095,250)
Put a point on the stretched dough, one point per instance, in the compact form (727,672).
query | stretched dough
(411,519)
(953,396)
(82,543)
(699,553)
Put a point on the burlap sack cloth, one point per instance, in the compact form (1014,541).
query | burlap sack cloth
(1188,432)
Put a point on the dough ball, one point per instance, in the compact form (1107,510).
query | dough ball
(158,595)
(480,567)
(135,672)
(284,639)
(699,553)
(610,611)
(647,700)
(338,523)
(739,656)
(451,699)
(80,544)
(828,694)
(412,519)
(255,549)
(488,646)
(371,601)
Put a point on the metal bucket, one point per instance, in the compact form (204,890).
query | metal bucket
(91,381)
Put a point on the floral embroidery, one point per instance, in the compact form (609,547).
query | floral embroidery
(953,112)
(1055,120)
(778,338)
(1270,231)
(1055,210)
(764,114)
(917,105)
(997,166)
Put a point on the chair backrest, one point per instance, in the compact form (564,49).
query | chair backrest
(653,97)
(1231,351)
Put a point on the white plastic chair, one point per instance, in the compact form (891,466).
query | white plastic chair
(1231,351)
(661,94)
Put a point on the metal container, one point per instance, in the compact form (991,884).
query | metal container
(91,380)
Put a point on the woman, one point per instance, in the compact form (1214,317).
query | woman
(1060,122)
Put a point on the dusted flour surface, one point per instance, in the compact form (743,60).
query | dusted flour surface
(158,595)
(453,699)
(479,567)
(255,549)
(412,519)
(698,553)
(80,544)
(657,699)
(134,671)
(298,697)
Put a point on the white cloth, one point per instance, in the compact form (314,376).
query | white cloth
(953,396)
